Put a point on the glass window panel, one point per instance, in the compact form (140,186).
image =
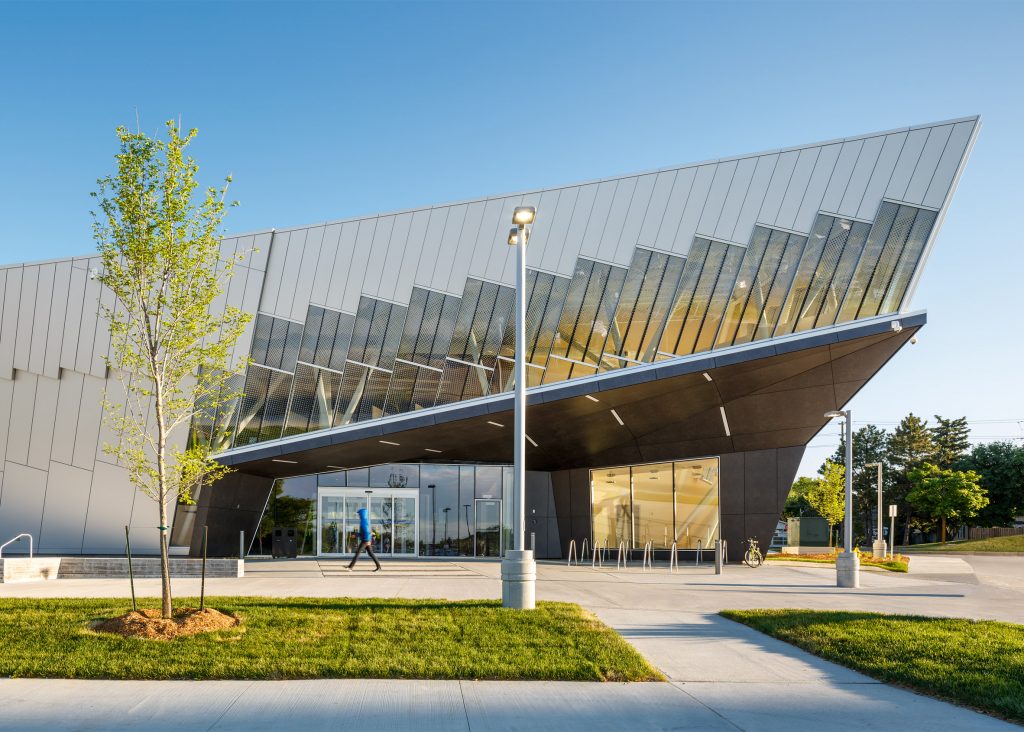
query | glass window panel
(488,482)
(761,284)
(276,404)
(702,294)
(338,349)
(413,324)
(780,287)
(823,274)
(464,320)
(311,333)
(868,259)
(377,333)
(882,275)
(692,269)
(696,503)
(749,268)
(540,347)
(424,332)
(335,479)
(250,414)
(481,322)
(844,272)
(261,338)
(394,475)
(424,394)
(633,325)
(392,336)
(328,384)
(291,346)
(603,334)
(652,506)
(353,384)
(275,347)
(361,329)
(332,524)
(403,379)
(499,323)
(375,394)
(719,298)
(558,369)
(582,369)
(611,507)
(358,477)
(908,261)
(300,408)
(577,334)
(227,414)
(453,382)
(439,501)
(571,307)
(804,272)
(442,339)
(642,270)
(656,323)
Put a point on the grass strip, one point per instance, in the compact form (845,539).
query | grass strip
(995,544)
(899,563)
(978,664)
(307,638)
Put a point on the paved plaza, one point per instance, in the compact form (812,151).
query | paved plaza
(722,675)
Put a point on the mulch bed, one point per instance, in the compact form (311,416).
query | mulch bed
(148,623)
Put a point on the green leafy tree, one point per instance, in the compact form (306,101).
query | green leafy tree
(910,447)
(870,445)
(946,495)
(951,438)
(826,495)
(796,502)
(1001,467)
(159,243)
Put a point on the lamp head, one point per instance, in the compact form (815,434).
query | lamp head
(513,236)
(524,215)
(834,414)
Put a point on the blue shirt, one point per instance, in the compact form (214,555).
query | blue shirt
(364,526)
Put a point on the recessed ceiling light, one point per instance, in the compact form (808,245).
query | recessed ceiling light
(496,424)
(707,376)
(593,399)
(618,418)
(725,423)
(279,460)
(429,449)
(388,442)
(530,440)
(335,467)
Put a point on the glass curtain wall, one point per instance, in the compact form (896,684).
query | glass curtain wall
(660,503)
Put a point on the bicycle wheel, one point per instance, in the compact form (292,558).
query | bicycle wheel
(748,558)
(758,559)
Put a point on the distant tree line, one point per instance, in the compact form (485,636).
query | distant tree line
(938,481)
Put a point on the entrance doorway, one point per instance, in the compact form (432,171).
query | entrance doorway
(393,520)
(488,527)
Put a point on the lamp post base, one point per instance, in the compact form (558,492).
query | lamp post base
(848,570)
(519,580)
(878,549)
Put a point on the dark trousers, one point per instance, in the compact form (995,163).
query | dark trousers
(368,546)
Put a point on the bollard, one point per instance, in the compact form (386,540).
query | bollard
(241,545)
(718,556)
(533,542)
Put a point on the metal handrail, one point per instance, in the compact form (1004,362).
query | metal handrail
(16,538)
(648,560)
(696,562)
(621,559)
(673,557)
(572,553)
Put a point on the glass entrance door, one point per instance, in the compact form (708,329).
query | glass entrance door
(393,520)
(488,527)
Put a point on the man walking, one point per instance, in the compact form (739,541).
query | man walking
(365,539)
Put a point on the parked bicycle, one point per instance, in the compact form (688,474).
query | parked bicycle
(753,557)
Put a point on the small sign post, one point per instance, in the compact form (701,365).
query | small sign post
(892,529)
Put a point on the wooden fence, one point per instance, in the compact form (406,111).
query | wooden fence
(979,533)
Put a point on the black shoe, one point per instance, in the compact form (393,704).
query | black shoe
(378,569)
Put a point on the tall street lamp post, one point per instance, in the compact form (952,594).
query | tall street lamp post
(518,569)
(878,545)
(847,563)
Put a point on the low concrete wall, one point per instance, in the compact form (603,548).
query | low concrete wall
(23,569)
(806,550)
(117,567)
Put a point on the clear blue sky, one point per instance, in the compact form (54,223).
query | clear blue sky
(329,110)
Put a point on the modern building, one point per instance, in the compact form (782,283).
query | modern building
(688,329)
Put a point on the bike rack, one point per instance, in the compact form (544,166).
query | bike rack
(648,560)
(16,538)
(572,553)
(673,558)
(595,557)
(621,559)
(696,562)
(583,549)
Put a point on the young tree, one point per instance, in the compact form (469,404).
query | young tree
(909,447)
(826,495)
(1001,467)
(870,445)
(796,502)
(951,438)
(946,494)
(159,243)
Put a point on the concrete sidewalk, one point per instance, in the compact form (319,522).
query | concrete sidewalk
(722,675)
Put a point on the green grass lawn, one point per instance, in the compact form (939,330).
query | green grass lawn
(977,664)
(899,563)
(997,544)
(302,638)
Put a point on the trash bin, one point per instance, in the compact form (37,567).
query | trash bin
(284,542)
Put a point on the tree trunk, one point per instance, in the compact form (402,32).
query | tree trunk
(165,569)
(942,530)
(906,529)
